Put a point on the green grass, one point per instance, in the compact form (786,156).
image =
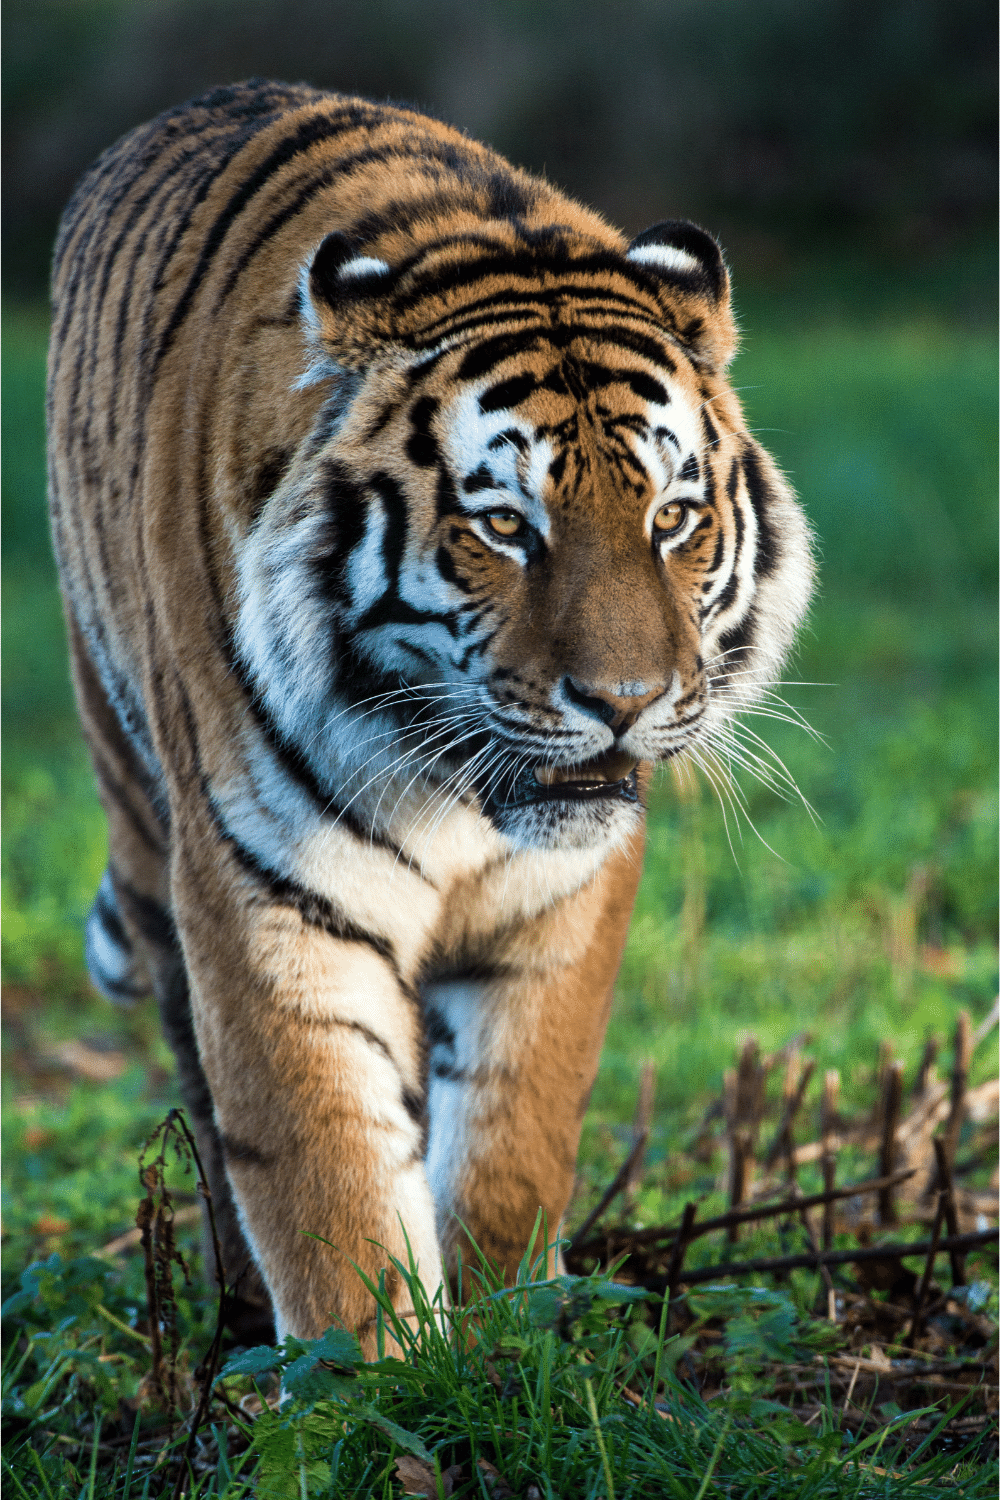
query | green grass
(537,1398)
(875,921)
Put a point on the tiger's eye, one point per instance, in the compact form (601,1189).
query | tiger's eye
(669,517)
(505,523)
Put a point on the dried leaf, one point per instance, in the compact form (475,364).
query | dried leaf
(418,1478)
(496,1485)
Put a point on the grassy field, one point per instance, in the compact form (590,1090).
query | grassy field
(873,919)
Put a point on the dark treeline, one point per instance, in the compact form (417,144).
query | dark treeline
(783,125)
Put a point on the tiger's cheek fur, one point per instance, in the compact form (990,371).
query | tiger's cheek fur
(357,440)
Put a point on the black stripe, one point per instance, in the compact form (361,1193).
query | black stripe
(315,911)
(507,394)
(738,640)
(310,132)
(150,918)
(237,1151)
(109,917)
(760,493)
(617,334)
(421,445)
(116,789)
(296,767)
(529,263)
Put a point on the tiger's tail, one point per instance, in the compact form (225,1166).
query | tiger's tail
(115,967)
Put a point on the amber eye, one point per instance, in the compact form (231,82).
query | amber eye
(506,523)
(670,517)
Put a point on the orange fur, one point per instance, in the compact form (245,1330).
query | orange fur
(357,442)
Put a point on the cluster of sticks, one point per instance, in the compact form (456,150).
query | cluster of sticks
(915,1182)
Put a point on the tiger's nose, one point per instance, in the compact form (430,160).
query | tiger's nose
(618,710)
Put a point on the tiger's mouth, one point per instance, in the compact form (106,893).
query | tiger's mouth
(609,775)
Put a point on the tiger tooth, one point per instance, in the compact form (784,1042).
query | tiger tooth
(614,765)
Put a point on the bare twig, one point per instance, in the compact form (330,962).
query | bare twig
(959,1082)
(132,1238)
(665,1233)
(925,1280)
(144,1218)
(641,1125)
(828,1117)
(925,1072)
(892,1095)
(811,1237)
(974,1241)
(611,1191)
(789,1053)
(684,1237)
(782,1145)
(886,1052)
(950,1214)
(745,1107)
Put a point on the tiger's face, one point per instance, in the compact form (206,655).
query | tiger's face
(547,551)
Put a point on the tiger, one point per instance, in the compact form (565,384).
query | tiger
(405,520)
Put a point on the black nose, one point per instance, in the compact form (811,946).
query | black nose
(618,712)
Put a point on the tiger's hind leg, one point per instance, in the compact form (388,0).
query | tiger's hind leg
(132,950)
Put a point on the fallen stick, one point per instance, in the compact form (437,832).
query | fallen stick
(892,1097)
(133,1237)
(611,1192)
(782,1140)
(973,1241)
(668,1232)
(680,1247)
(641,1126)
(948,1202)
(917,1322)
(959,1083)
(828,1161)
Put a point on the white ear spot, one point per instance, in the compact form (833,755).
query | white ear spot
(666,257)
(363,265)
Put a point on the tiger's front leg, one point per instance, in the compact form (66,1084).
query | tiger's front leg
(514,1049)
(312,1047)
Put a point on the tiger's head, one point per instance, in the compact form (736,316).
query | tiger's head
(530,543)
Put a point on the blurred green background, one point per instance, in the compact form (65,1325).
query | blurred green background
(843,153)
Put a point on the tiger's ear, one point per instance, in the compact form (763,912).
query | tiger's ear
(344,297)
(688,265)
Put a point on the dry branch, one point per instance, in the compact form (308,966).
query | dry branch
(782,1145)
(959,1082)
(950,1213)
(622,1238)
(828,1161)
(641,1126)
(892,1095)
(814,1259)
(925,1073)
(611,1192)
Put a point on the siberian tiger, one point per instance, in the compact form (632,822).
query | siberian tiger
(405,519)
